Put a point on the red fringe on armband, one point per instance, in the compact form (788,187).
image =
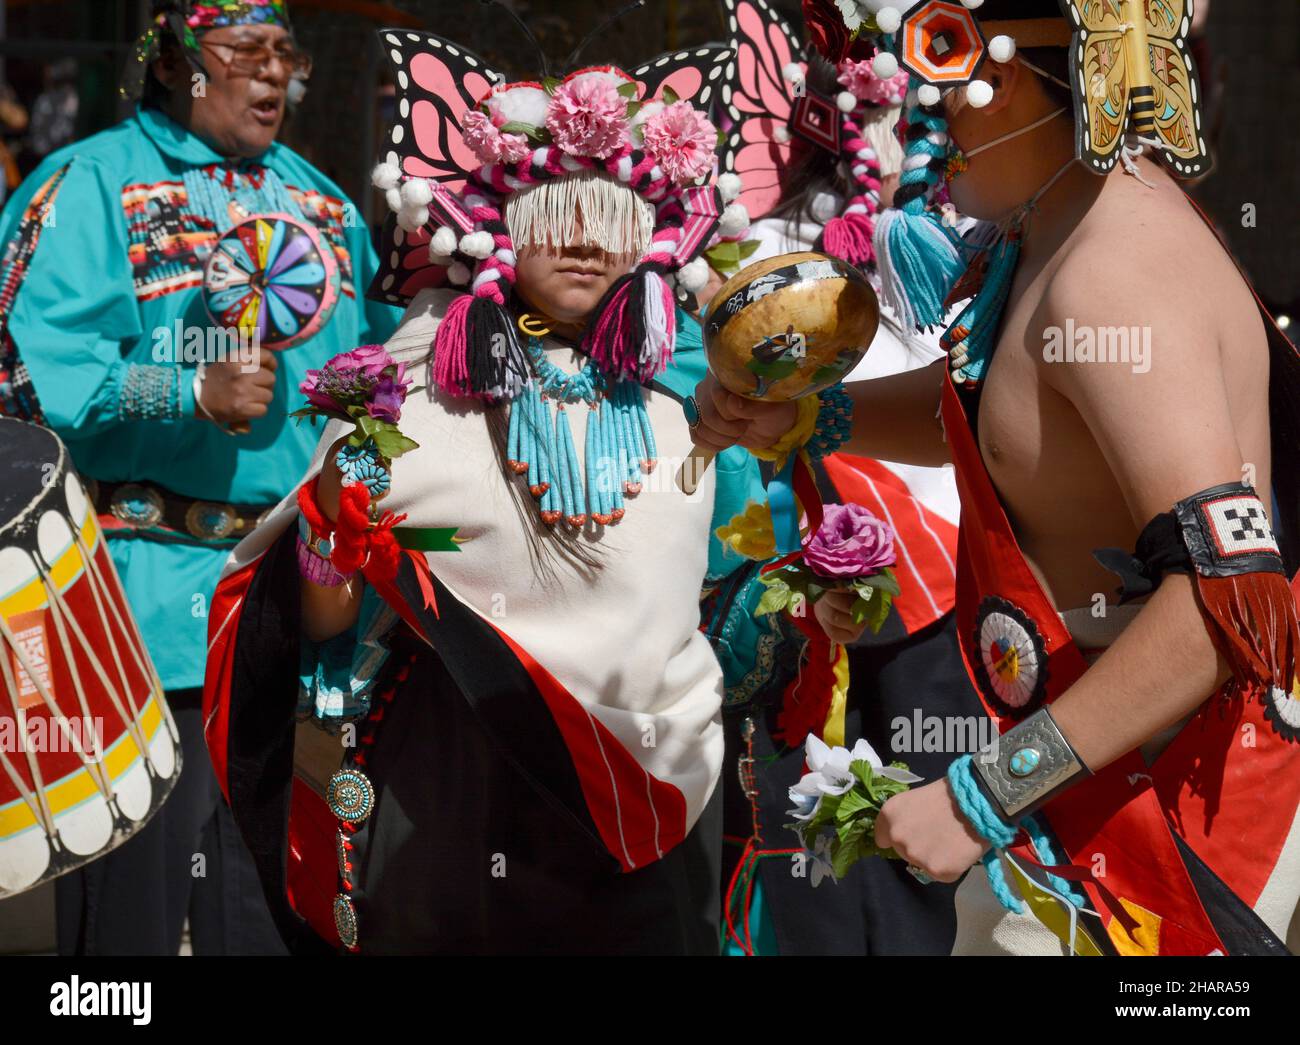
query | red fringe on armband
(1253,623)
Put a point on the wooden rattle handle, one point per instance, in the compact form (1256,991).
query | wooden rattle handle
(693,468)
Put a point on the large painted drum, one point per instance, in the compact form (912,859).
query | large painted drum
(88,748)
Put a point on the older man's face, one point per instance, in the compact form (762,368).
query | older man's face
(239,107)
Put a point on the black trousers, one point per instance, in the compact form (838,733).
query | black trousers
(878,908)
(187,861)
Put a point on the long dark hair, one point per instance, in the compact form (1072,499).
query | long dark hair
(812,170)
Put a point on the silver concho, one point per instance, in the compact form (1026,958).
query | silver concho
(137,506)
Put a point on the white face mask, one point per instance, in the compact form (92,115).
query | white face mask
(1014,134)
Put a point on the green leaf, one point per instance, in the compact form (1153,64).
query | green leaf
(550,83)
(879,611)
(774,599)
(530,132)
(632,109)
(726,252)
(886,581)
(671,97)
(854,801)
(842,858)
(747,247)
(628,90)
(393,444)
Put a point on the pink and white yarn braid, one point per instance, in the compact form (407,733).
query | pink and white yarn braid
(849,236)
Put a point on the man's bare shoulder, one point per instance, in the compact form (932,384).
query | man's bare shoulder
(1142,256)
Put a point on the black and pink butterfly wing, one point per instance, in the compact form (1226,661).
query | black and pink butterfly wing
(437,81)
(758,101)
(694,75)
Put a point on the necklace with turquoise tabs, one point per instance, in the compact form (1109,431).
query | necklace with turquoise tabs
(619,441)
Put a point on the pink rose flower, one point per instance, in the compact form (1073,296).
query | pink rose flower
(851,542)
(860,81)
(682,140)
(373,359)
(483,135)
(588,117)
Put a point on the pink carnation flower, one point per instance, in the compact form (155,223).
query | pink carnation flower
(682,140)
(860,81)
(491,145)
(588,117)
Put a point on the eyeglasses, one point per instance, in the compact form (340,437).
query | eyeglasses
(249,59)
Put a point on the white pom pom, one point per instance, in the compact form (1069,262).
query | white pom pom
(734,220)
(444,242)
(793,73)
(781,133)
(296,91)
(979,93)
(694,276)
(889,19)
(477,245)
(1002,49)
(928,95)
(386,176)
(972,5)
(413,217)
(394,200)
(885,65)
(729,186)
(846,101)
(416,193)
(458,273)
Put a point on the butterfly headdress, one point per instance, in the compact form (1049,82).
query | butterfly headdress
(769,102)
(466,139)
(1132,77)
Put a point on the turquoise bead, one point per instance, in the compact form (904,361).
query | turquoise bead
(1025,761)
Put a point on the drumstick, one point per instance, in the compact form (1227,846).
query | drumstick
(693,468)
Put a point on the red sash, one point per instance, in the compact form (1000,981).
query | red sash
(1233,804)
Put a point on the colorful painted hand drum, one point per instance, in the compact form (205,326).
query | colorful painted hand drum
(88,749)
(790,326)
(271,278)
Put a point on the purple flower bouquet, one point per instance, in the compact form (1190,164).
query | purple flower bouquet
(851,550)
(366,388)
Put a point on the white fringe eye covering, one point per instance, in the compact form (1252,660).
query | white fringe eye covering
(614,217)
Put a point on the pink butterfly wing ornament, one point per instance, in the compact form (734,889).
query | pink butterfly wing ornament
(437,82)
(759,101)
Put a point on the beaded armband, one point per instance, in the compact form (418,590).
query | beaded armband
(151,393)
(834,422)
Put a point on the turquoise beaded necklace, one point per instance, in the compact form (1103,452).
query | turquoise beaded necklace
(619,441)
(255,190)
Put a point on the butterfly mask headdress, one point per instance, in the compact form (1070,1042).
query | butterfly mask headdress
(466,139)
(1131,71)
(1131,74)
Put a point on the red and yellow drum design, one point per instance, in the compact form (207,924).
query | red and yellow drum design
(88,748)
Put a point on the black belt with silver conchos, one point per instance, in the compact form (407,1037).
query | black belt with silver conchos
(148,510)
